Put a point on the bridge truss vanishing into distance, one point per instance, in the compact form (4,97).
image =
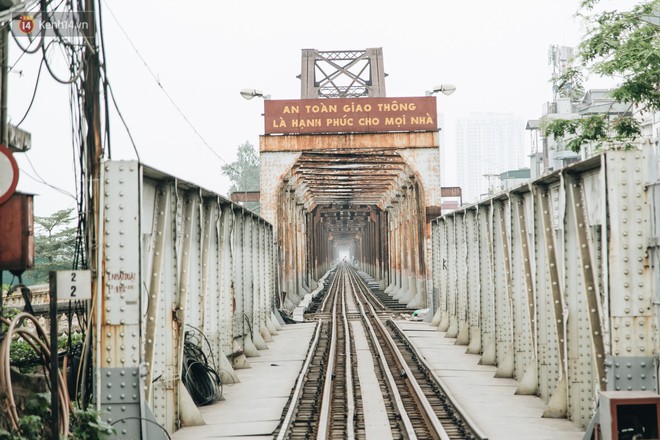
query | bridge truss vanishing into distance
(554,282)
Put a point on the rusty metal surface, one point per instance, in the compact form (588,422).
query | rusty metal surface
(17,233)
(451,191)
(427,139)
(350,115)
(350,177)
(245,196)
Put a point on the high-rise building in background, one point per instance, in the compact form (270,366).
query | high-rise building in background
(488,144)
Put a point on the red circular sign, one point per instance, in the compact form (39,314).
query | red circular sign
(8,174)
(26,24)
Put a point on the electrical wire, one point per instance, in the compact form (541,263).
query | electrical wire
(40,344)
(41,179)
(34,94)
(76,73)
(200,379)
(121,116)
(167,434)
(72,49)
(106,85)
(162,88)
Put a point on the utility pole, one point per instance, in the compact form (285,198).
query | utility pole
(4,67)
(93,147)
(93,151)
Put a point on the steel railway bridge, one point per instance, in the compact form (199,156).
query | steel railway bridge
(555,283)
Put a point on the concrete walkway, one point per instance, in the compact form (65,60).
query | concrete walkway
(252,409)
(491,402)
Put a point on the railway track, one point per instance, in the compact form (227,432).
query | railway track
(403,400)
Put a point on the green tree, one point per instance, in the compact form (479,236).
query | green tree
(622,45)
(54,244)
(244,173)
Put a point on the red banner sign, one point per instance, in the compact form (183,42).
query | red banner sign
(350,115)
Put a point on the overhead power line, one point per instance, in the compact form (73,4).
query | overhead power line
(160,85)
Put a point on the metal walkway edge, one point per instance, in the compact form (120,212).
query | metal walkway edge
(491,402)
(252,409)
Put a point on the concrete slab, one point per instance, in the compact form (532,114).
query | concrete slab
(376,420)
(489,401)
(252,409)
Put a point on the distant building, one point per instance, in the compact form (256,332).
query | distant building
(514,178)
(487,144)
(536,154)
(551,154)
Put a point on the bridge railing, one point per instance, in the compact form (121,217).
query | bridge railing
(175,258)
(554,282)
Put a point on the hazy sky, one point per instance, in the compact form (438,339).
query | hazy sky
(204,52)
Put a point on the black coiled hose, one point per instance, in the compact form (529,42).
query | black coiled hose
(200,379)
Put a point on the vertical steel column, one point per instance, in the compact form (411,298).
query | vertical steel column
(548,372)
(289,249)
(118,356)
(386,277)
(411,245)
(472,333)
(590,344)
(182,306)
(227,303)
(435,272)
(423,249)
(464,287)
(557,405)
(503,297)
(446,272)
(206,267)
(393,250)
(162,219)
(519,305)
(417,222)
(526,366)
(459,300)
(452,279)
(238,328)
(487,297)
(634,328)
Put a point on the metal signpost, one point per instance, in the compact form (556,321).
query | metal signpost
(72,285)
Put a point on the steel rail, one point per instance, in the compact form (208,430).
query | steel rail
(431,416)
(454,401)
(391,383)
(326,400)
(350,397)
(286,423)
(330,287)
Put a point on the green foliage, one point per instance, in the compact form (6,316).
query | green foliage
(87,425)
(244,172)
(626,45)
(34,423)
(623,45)
(569,85)
(594,129)
(26,359)
(54,245)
